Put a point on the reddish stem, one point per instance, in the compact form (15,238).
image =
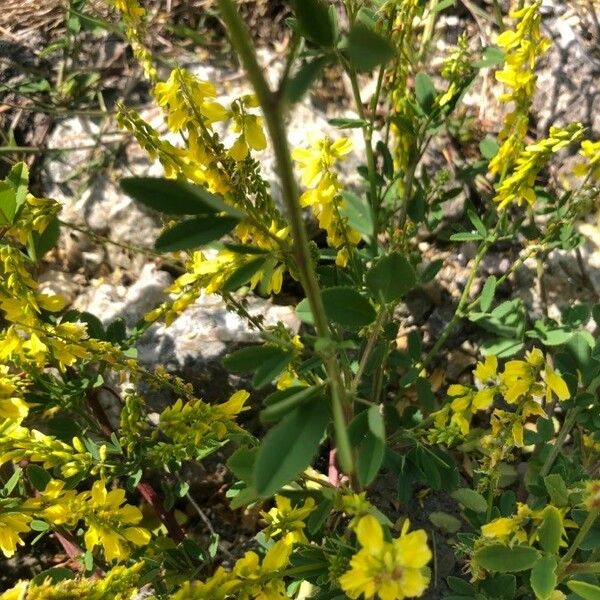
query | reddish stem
(167,518)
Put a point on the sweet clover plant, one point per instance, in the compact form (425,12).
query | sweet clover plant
(343,406)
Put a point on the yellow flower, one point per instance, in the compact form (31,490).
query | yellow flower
(249,127)
(519,185)
(591,151)
(17,592)
(320,158)
(507,529)
(13,523)
(390,570)
(323,195)
(111,525)
(287,522)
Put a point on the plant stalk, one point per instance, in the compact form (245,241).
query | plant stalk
(273,113)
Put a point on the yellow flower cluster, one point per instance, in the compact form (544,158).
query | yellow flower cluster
(401,94)
(514,529)
(522,47)
(519,185)
(14,521)
(110,523)
(194,427)
(323,196)
(12,404)
(120,583)
(250,578)
(133,17)
(591,168)
(456,68)
(524,383)
(388,570)
(19,443)
(286,521)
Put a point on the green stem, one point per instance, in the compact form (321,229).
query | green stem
(583,530)
(364,359)
(272,110)
(368,139)
(464,298)
(590,567)
(562,436)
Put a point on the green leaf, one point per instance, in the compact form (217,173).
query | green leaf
(289,447)
(488,148)
(491,56)
(241,463)
(445,521)
(376,422)
(586,590)
(266,362)
(358,213)
(194,233)
(470,499)
(38,477)
(370,458)
(18,178)
(443,5)
(315,22)
(465,236)
(550,530)
(487,293)
(557,489)
(504,559)
(424,91)
(54,574)
(269,370)
(391,277)
(303,79)
(388,161)
(46,240)
(175,197)
(242,275)
(543,577)
(8,204)
(366,49)
(346,123)
(288,402)
(319,515)
(247,360)
(38,525)
(345,306)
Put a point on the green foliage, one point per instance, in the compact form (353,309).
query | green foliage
(355,409)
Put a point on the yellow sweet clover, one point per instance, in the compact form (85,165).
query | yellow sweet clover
(193,427)
(523,527)
(111,524)
(248,126)
(387,570)
(19,443)
(522,47)
(323,193)
(402,97)
(523,383)
(591,168)
(249,579)
(120,583)
(13,406)
(14,522)
(287,521)
(519,185)
(456,68)
(133,17)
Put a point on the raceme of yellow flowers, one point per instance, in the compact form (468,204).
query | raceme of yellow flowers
(525,384)
(33,346)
